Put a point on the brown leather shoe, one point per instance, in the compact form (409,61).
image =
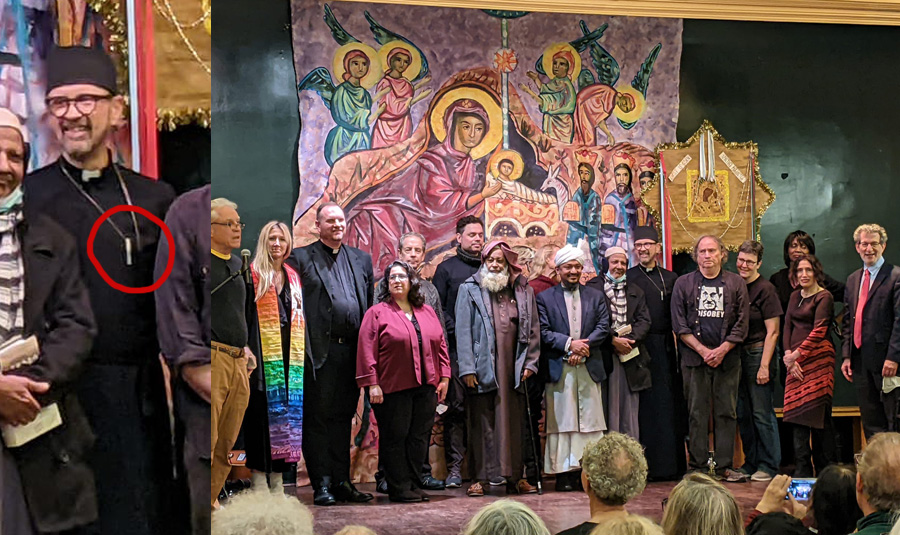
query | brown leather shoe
(475,490)
(524,487)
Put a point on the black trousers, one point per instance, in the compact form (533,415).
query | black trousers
(405,420)
(455,420)
(703,384)
(532,452)
(880,412)
(823,447)
(192,415)
(329,403)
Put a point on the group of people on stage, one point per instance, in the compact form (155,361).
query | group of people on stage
(87,446)
(490,339)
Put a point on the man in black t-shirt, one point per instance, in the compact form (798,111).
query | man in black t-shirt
(232,360)
(756,413)
(710,313)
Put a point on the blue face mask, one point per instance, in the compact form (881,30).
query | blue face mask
(11,200)
(610,277)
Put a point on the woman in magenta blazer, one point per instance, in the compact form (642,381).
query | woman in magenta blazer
(402,359)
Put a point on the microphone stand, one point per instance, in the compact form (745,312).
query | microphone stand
(233,276)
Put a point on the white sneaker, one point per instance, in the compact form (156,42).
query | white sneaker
(761,475)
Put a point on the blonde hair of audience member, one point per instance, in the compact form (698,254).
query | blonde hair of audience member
(543,262)
(628,525)
(263,262)
(506,517)
(262,513)
(878,474)
(356,530)
(614,469)
(699,505)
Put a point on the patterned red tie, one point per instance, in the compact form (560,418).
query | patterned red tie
(863,296)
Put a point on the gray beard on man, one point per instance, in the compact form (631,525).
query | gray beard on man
(494,282)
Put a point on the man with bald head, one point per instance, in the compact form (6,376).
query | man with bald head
(574,325)
(711,317)
(623,351)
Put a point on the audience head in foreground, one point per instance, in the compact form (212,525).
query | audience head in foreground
(506,517)
(701,506)
(628,525)
(878,484)
(355,530)
(614,469)
(263,513)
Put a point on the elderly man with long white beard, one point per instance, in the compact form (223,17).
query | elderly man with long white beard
(574,325)
(623,353)
(498,344)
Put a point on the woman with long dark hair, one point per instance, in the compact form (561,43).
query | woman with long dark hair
(402,360)
(809,360)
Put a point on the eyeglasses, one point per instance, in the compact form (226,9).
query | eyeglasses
(233,225)
(643,245)
(665,502)
(867,244)
(84,104)
(398,277)
(746,262)
(857,458)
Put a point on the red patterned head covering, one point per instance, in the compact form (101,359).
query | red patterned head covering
(511,256)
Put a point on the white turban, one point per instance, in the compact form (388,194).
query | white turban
(615,250)
(569,253)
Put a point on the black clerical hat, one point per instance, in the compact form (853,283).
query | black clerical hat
(646,233)
(80,65)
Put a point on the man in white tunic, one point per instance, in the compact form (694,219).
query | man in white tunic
(574,325)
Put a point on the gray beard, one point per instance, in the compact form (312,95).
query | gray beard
(494,282)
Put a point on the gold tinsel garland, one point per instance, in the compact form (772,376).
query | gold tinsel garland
(110,12)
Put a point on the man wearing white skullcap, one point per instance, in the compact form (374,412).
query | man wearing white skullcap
(623,351)
(41,296)
(574,324)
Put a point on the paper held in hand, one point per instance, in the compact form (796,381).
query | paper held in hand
(623,331)
(16,353)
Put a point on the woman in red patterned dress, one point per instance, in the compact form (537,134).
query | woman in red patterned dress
(809,359)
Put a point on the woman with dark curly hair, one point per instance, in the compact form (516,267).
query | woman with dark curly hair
(809,359)
(402,360)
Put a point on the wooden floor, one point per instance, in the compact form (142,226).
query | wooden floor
(449,510)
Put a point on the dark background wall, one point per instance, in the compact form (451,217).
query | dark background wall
(818,99)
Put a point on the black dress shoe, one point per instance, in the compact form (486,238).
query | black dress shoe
(323,497)
(430,483)
(422,494)
(381,487)
(346,492)
(405,496)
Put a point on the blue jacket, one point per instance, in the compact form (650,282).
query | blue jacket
(555,330)
(476,343)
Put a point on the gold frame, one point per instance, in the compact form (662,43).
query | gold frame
(869,12)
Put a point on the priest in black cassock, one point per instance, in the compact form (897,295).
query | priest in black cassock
(122,387)
(662,413)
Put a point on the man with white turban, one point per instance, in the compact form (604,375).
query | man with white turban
(574,325)
(623,352)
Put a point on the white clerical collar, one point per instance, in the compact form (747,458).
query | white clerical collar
(89,174)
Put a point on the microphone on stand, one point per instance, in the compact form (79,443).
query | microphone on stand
(245,264)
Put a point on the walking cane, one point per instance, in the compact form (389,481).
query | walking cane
(534,443)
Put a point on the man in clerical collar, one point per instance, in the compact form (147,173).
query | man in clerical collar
(661,412)
(122,389)
(337,283)
(46,483)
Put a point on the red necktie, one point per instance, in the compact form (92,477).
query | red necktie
(857,324)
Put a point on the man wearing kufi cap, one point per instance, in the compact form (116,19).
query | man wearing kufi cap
(624,355)
(662,411)
(574,324)
(498,340)
(122,387)
(45,483)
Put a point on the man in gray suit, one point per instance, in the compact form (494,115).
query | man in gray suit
(338,284)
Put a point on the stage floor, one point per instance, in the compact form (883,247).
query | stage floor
(449,510)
